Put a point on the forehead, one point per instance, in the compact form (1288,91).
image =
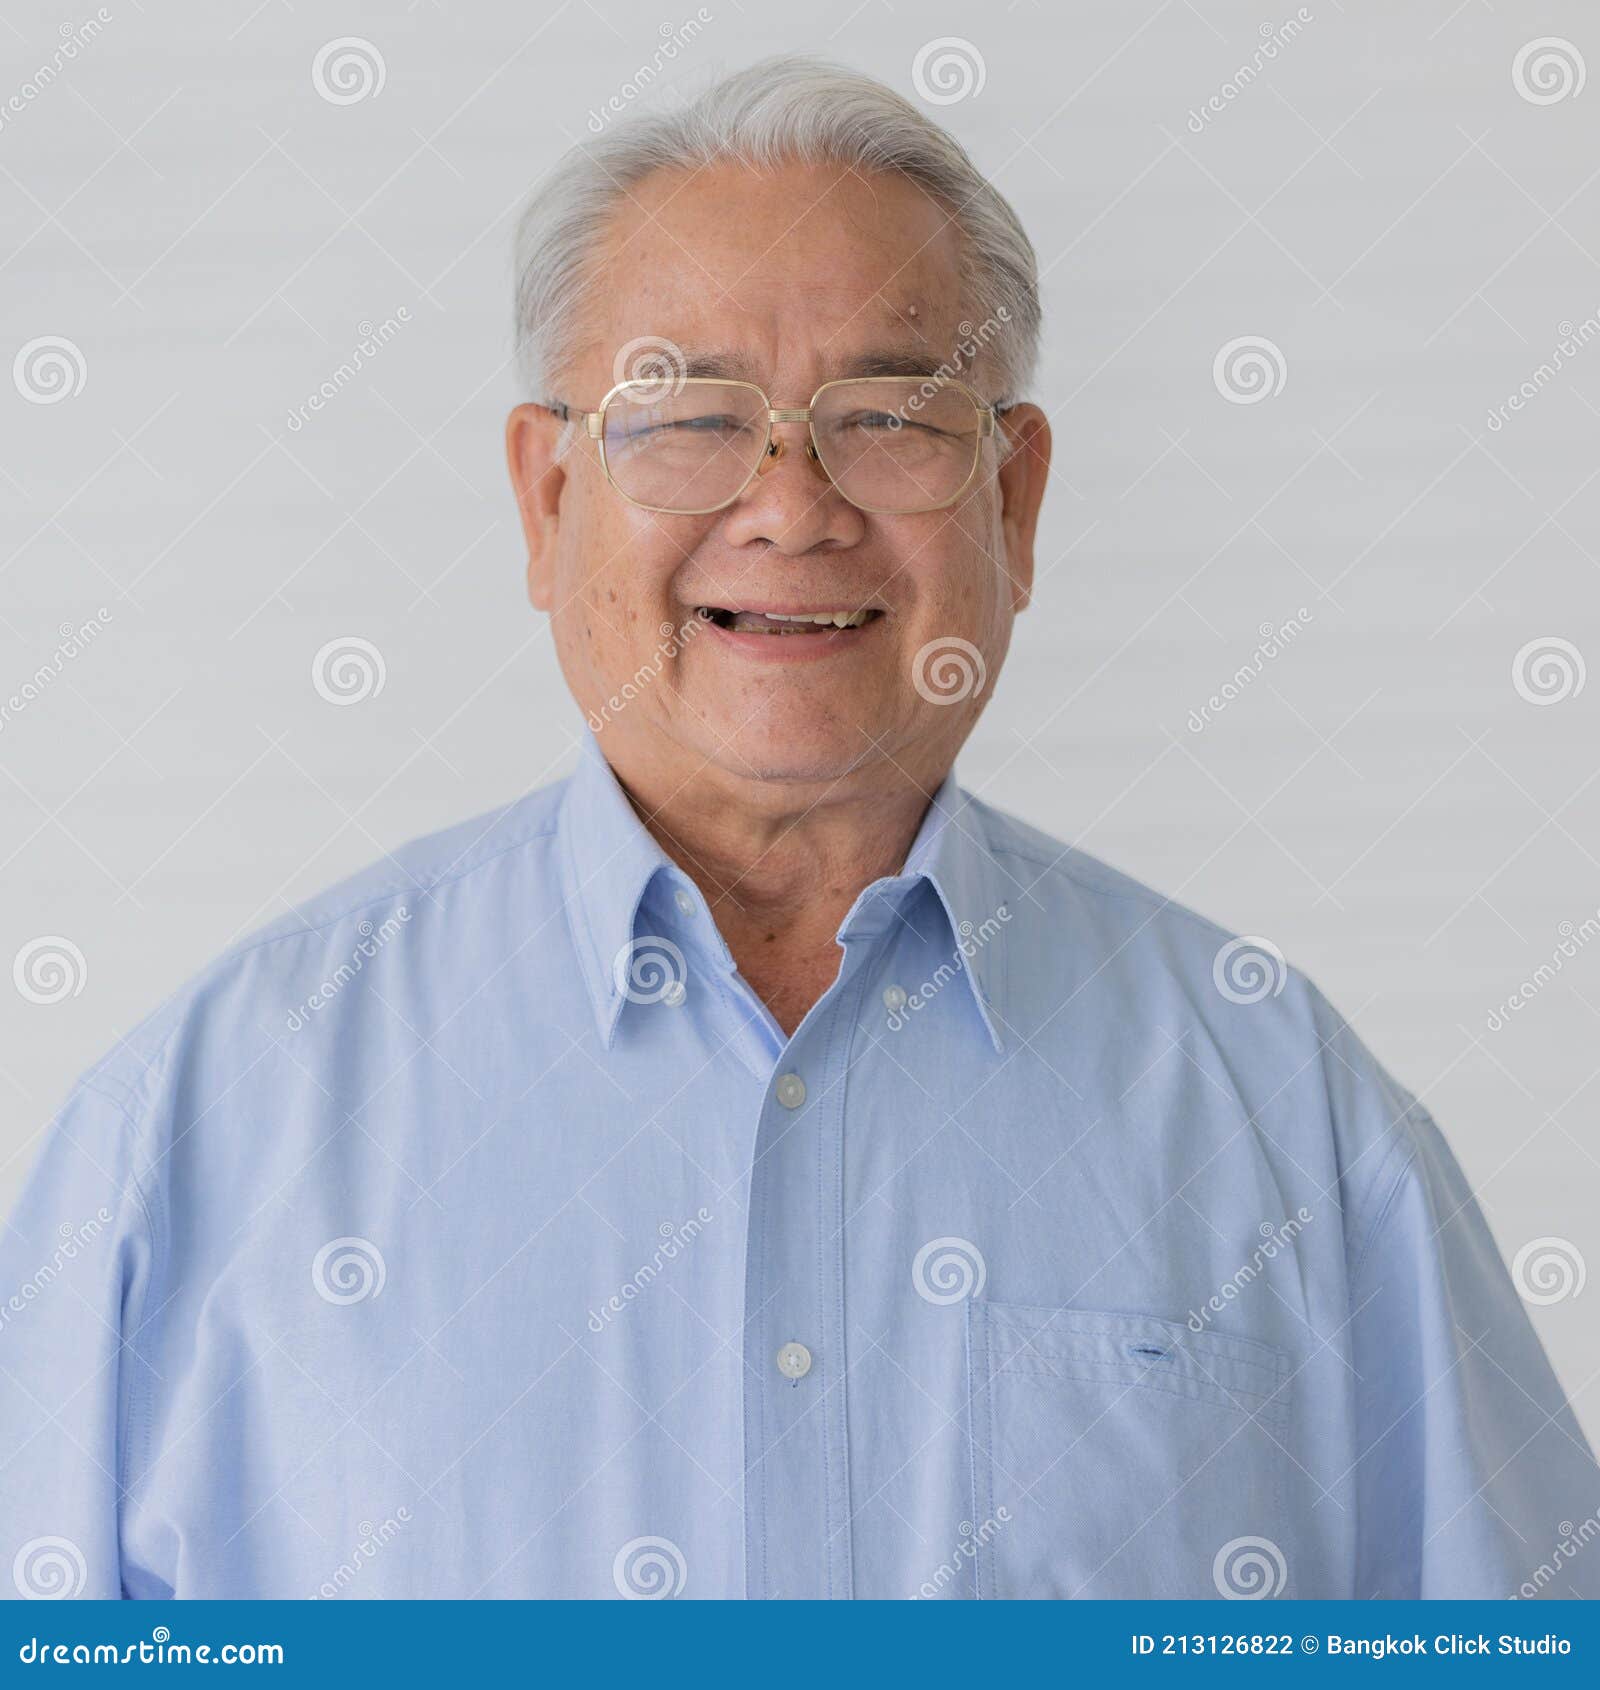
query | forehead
(796,262)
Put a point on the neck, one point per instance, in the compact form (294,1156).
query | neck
(779,863)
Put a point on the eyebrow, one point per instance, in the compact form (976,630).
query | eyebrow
(883,361)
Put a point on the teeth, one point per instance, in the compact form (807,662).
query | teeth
(837,618)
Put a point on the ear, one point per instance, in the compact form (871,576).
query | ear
(537,479)
(1022,478)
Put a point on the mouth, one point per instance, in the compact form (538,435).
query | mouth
(794,624)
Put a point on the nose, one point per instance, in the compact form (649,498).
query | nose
(790,502)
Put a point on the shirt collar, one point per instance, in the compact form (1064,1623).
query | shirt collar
(609,861)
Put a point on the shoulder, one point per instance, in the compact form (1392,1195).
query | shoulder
(1139,966)
(424,897)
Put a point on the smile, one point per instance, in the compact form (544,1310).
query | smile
(785,622)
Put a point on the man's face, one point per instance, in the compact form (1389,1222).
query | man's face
(787,279)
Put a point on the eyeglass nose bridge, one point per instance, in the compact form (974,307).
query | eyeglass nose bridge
(775,445)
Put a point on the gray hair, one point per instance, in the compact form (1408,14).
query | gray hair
(791,108)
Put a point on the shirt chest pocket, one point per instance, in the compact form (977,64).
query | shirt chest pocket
(1119,1455)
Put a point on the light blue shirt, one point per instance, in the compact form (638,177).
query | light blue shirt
(477,1232)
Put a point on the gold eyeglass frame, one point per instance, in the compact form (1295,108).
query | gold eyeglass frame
(771,450)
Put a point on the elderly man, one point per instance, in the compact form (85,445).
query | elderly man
(753,1167)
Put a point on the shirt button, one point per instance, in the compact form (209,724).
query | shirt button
(794,1361)
(673,993)
(791,1091)
(684,901)
(893,998)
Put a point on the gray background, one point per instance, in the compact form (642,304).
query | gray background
(1381,203)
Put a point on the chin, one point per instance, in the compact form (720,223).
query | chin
(793,751)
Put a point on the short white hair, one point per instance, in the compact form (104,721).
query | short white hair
(789,109)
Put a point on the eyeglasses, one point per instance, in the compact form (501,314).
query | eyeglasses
(892,445)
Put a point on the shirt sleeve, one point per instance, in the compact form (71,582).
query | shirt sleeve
(1472,1469)
(75,1272)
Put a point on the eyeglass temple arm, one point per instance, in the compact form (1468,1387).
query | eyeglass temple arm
(591,420)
